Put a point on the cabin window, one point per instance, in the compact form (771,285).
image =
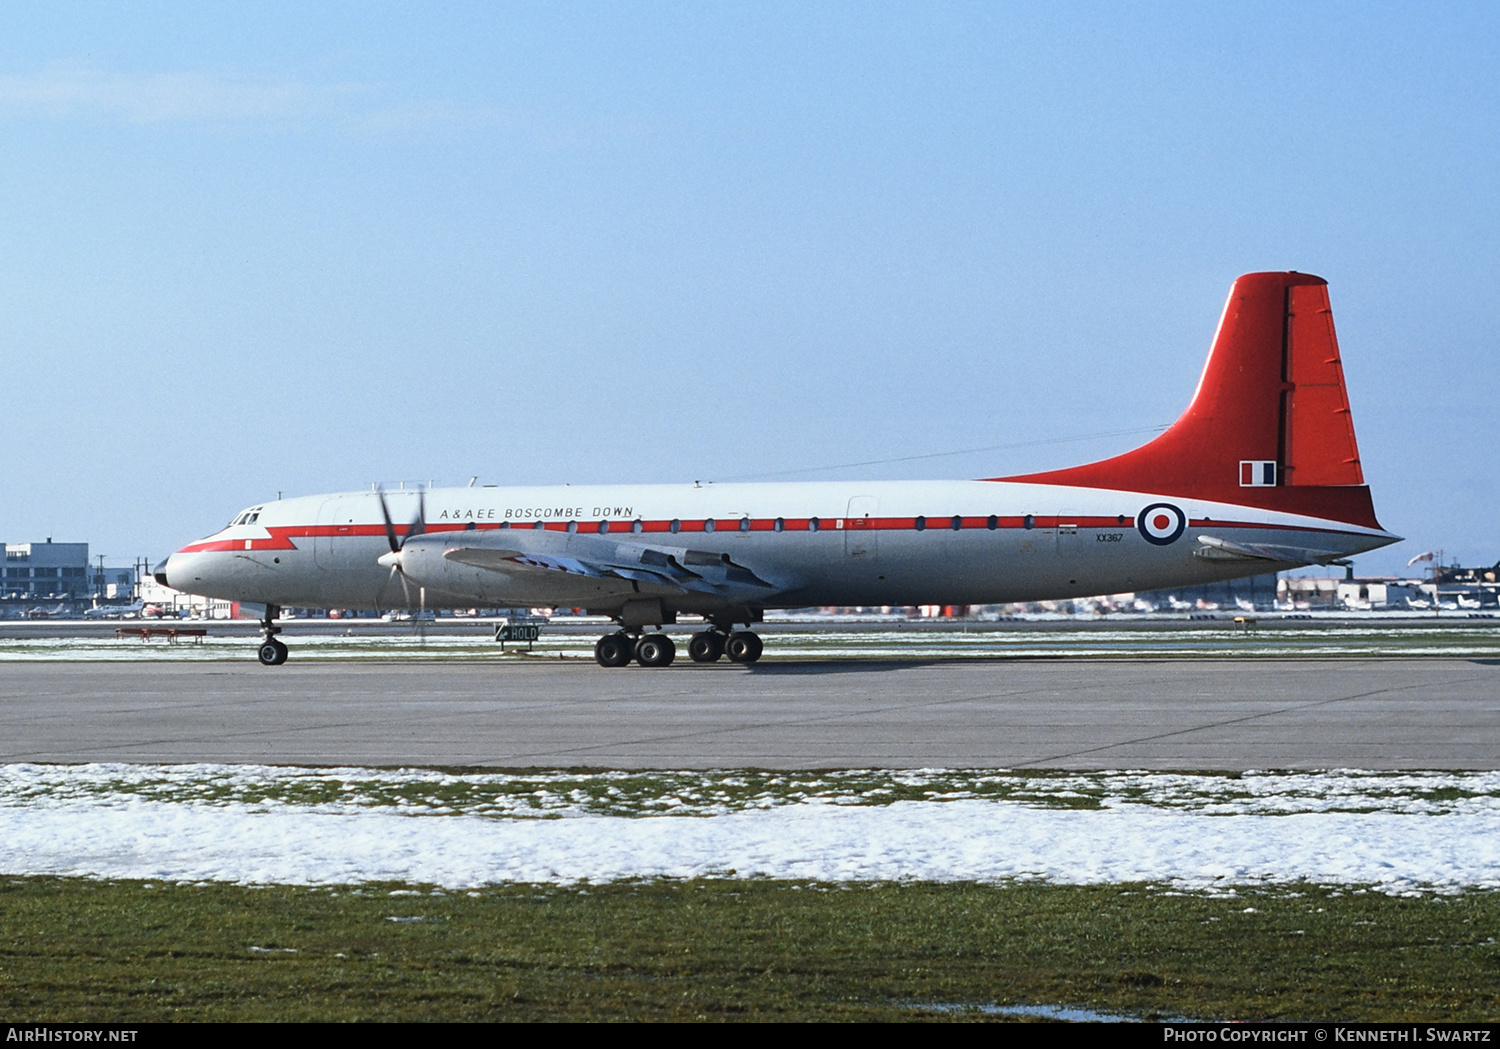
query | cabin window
(637,527)
(956,523)
(920,524)
(1028,521)
(992,523)
(812,524)
(603,527)
(505,526)
(708,526)
(744,524)
(780,524)
(676,525)
(538,526)
(572,526)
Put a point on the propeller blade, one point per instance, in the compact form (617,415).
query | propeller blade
(419,523)
(393,559)
(385,585)
(390,526)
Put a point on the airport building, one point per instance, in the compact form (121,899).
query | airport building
(46,571)
(59,575)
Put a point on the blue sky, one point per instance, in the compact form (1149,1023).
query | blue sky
(301,248)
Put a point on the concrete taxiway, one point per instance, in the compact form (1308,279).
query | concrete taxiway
(1232,714)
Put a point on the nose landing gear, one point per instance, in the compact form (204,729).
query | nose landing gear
(272,653)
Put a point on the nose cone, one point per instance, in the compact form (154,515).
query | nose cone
(193,572)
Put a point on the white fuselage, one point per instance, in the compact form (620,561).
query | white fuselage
(845,543)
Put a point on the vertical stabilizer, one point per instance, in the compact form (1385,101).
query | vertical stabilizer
(1317,431)
(1269,425)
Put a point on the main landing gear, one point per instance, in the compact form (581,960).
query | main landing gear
(741,646)
(272,653)
(650,650)
(657,650)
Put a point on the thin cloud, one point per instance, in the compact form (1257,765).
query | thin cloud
(427,116)
(63,93)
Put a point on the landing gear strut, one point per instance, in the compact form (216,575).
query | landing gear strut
(272,653)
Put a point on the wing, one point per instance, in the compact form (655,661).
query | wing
(523,552)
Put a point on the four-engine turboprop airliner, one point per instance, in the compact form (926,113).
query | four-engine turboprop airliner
(1260,473)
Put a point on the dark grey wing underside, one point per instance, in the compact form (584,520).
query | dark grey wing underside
(517,552)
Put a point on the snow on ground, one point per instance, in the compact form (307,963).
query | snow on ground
(265,825)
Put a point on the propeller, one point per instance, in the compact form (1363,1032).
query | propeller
(392,560)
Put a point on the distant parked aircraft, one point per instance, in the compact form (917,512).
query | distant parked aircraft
(115,611)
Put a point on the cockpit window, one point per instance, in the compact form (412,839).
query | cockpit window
(246,517)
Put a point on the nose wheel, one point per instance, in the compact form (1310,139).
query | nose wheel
(272,653)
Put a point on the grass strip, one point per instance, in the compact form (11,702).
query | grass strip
(79,950)
(544,792)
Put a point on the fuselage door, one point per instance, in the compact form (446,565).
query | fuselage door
(1067,534)
(861,537)
(323,544)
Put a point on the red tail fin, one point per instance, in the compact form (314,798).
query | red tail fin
(1269,425)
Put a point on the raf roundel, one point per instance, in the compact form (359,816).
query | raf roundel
(1161,523)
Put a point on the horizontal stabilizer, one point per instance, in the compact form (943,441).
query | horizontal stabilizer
(1212,548)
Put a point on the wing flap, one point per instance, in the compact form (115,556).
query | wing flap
(597,557)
